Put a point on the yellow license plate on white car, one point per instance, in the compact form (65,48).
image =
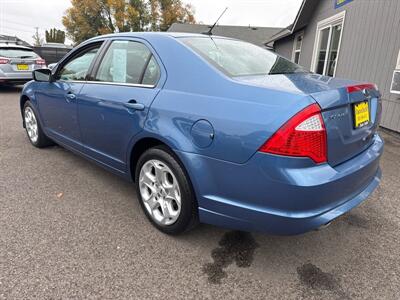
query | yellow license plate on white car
(21,67)
(361,114)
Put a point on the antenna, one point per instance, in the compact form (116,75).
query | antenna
(209,32)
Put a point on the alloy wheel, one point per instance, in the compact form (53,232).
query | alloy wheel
(160,192)
(31,124)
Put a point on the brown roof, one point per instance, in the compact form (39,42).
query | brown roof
(254,35)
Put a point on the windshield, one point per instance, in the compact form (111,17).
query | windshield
(236,58)
(17,53)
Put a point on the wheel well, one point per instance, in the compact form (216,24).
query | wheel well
(139,148)
(146,143)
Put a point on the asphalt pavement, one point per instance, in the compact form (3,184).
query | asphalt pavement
(71,230)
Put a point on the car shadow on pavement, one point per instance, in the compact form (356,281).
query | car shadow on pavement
(10,89)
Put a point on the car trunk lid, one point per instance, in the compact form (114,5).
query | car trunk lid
(22,64)
(348,133)
(337,99)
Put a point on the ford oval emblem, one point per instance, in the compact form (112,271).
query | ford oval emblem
(366,93)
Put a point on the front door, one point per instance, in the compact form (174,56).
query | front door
(114,106)
(58,100)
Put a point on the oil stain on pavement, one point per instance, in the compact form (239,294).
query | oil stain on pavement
(234,246)
(314,278)
(356,220)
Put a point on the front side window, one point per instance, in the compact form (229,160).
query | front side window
(128,62)
(328,37)
(237,58)
(78,67)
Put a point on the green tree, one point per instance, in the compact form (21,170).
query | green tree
(88,18)
(142,20)
(171,11)
(55,36)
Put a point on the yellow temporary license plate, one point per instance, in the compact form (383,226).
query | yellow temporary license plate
(361,114)
(23,67)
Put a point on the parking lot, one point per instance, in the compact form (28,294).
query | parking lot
(69,229)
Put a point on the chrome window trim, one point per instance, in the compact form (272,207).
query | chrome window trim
(123,84)
(148,86)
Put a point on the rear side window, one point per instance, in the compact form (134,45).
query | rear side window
(152,73)
(237,58)
(128,62)
(10,52)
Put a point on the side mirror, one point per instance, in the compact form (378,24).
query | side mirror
(43,75)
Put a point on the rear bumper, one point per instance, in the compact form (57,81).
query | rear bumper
(15,77)
(257,220)
(281,195)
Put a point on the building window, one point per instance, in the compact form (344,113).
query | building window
(298,42)
(327,45)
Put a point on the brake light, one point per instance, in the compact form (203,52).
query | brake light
(360,87)
(40,61)
(304,135)
(4,61)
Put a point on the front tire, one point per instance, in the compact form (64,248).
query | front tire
(33,128)
(164,191)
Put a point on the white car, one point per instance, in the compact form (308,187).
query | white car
(17,63)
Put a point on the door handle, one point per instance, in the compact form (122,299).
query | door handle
(132,104)
(70,97)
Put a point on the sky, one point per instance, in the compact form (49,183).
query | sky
(20,17)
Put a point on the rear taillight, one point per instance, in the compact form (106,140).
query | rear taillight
(361,87)
(40,61)
(304,135)
(4,61)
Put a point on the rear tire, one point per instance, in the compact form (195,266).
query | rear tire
(164,191)
(33,127)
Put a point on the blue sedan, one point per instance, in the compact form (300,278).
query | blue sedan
(212,130)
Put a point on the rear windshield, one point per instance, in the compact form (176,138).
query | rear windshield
(17,53)
(237,58)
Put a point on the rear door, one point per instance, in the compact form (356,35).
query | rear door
(114,103)
(58,100)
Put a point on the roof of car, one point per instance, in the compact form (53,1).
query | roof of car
(153,34)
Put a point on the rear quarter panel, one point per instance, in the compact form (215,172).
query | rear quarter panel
(243,116)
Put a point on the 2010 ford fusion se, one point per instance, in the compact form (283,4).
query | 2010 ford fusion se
(212,130)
